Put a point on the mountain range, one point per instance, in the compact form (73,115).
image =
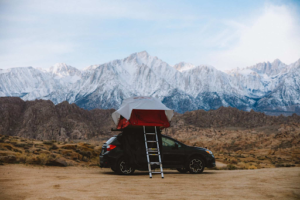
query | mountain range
(272,88)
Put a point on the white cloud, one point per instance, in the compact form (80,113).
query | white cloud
(101,9)
(41,33)
(273,34)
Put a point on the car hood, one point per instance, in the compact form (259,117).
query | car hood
(198,148)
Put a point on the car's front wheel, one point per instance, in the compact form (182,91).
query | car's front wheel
(123,168)
(196,165)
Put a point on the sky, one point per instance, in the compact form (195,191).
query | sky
(223,34)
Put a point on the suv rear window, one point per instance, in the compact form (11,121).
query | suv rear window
(110,140)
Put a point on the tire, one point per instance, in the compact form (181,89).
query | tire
(182,170)
(196,165)
(124,169)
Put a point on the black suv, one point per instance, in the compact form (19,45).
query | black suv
(124,156)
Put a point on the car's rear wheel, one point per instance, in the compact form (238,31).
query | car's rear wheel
(196,165)
(123,168)
(182,170)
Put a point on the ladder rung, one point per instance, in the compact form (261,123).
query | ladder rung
(156,172)
(150,133)
(154,163)
(153,154)
(151,141)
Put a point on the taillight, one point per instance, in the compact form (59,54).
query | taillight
(110,147)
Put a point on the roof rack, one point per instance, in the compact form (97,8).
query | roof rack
(115,129)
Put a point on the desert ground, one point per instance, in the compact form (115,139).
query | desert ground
(19,181)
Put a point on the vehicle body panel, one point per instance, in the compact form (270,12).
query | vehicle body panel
(174,154)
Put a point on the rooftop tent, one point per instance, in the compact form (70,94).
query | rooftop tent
(142,111)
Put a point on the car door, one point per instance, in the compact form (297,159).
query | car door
(173,152)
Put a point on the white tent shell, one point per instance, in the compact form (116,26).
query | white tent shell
(140,103)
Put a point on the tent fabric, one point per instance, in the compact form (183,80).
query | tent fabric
(145,118)
(142,111)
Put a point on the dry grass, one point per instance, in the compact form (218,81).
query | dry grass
(239,148)
(263,147)
(41,152)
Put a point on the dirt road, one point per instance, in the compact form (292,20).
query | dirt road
(33,182)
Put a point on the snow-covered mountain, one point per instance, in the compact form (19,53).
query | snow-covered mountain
(268,87)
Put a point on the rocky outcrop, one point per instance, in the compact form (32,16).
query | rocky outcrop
(41,119)
(57,162)
(230,117)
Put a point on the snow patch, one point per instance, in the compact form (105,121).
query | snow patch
(182,66)
(3,71)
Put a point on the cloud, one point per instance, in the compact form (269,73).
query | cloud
(41,33)
(92,31)
(275,33)
(101,9)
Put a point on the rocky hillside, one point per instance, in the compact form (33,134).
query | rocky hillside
(246,148)
(244,140)
(43,120)
(231,117)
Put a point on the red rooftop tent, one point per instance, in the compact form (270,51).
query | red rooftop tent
(142,111)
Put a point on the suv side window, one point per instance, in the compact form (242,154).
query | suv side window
(166,142)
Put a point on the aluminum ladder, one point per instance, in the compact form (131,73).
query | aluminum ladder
(153,152)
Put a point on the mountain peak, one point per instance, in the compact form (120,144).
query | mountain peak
(90,68)
(62,69)
(270,69)
(142,54)
(276,62)
(57,66)
(183,66)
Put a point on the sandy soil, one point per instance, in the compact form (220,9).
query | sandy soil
(34,182)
